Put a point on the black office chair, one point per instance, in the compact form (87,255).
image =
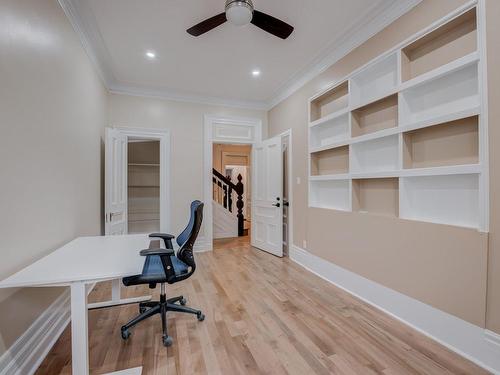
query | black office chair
(164,266)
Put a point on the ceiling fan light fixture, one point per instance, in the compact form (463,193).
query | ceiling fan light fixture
(239,12)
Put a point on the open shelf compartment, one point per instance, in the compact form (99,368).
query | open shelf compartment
(378,196)
(332,194)
(376,81)
(333,100)
(382,114)
(450,199)
(452,143)
(331,161)
(453,92)
(378,155)
(329,132)
(449,42)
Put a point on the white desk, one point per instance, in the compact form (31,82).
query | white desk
(79,264)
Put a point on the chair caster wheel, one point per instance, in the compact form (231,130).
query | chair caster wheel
(183,301)
(167,341)
(200,316)
(125,334)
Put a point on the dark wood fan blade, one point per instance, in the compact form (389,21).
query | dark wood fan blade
(207,25)
(271,25)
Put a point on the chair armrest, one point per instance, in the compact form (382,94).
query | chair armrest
(167,239)
(161,235)
(147,252)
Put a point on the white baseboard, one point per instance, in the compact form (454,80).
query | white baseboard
(30,349)
(472,342)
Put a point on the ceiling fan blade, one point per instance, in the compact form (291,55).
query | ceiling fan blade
(271,25)
(207,25)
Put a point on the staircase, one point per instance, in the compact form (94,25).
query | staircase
(228,218)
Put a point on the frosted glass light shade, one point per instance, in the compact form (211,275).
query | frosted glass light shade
(239,13)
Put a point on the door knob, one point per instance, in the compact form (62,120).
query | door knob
(277,204)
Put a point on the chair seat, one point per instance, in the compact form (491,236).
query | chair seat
(153,271)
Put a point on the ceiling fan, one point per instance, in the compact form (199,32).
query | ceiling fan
(242,12)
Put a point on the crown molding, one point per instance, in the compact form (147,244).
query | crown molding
(353,38)
(179,96)
(85,25)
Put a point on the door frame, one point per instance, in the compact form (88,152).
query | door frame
(163,136)
(289,228)
(223,130)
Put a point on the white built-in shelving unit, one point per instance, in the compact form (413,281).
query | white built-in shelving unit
(406,135)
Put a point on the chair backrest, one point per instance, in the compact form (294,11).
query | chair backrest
(188,236)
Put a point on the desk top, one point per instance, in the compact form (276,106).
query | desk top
(84,259)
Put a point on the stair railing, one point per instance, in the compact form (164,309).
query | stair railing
(223,194)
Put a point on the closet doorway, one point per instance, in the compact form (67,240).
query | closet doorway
(137,181)
(143,186)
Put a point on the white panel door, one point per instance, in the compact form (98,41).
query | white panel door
(267,205)
(115,182)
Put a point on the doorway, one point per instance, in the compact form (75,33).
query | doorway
(231,184)
(143,186)
(137,188)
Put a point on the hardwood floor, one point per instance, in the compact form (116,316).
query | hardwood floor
(264,315)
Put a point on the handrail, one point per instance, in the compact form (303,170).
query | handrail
(224,179)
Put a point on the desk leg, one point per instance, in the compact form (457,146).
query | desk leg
(115,290)
(79,329)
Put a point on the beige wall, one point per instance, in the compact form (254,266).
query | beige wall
(52,115)
(185,122)
(493,43)
(440,265)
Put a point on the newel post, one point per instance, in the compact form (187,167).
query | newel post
(239,206)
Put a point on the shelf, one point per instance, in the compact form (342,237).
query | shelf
(376,116)
(148,226)
(442,171)
(377,155)
(374,81)
(328,132)
(333,100)
(332,161)
(143,176)
(452,143)
(455,91)
(463,62)
(329,177)
(144,152)
(143,165)
(376,196)
(452,199)
(143,216)
(473,111)
(330,194)
(449,42)
(330,117)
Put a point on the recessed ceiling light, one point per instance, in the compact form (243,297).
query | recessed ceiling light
(150,55)
(256,73)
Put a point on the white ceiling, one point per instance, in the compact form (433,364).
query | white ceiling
(216,67)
